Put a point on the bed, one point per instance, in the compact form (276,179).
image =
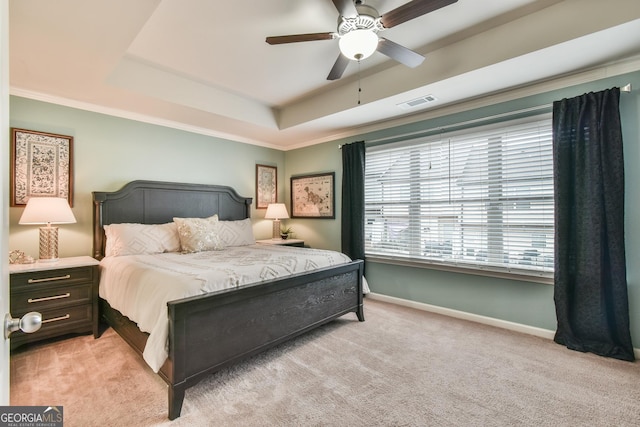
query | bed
(211,331)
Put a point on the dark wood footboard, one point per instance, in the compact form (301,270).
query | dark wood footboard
(210,333)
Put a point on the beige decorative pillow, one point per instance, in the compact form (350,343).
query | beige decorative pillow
(199,234)
(236,233)
(139,239)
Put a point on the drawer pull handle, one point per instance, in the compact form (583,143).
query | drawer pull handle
(55,319)
(50,279)
(32,300)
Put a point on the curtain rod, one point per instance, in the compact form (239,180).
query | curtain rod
(626,88)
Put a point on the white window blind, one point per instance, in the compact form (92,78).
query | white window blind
(480,199)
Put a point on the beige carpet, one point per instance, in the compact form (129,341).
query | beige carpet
(402,367)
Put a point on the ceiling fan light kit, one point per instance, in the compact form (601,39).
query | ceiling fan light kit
(357,31)
(358,44)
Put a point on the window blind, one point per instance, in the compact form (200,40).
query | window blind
(479,199)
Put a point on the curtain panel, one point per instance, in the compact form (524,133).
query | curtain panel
(353,160)
(590,290)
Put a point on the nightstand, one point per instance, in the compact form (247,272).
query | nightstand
(281,242)
(65,292)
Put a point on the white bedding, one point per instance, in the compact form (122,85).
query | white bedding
(139,286)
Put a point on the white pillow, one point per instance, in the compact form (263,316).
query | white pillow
(236,233)
(137,239)
(199,234)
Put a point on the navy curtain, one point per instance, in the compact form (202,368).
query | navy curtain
(353,156)
(590,290)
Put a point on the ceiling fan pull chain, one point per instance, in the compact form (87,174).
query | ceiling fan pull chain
(359,86)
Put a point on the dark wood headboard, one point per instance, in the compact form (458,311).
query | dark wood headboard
(154,202)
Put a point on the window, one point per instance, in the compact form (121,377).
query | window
(479,199)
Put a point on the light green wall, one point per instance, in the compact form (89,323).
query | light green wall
(318,233)
(109,152)
(521,302)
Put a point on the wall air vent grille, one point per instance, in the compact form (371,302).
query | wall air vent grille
(418,102)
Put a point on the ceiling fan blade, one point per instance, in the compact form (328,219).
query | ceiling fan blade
(412,10)
(338,68)
(295,38)
(347,8)
(400,53)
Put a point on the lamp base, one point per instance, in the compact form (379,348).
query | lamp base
(48,244)
(276,230)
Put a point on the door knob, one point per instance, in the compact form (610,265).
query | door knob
(29,323)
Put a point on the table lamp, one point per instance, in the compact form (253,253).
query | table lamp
(276,212)
(47,210)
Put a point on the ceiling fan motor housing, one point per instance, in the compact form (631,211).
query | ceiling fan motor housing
(368,19)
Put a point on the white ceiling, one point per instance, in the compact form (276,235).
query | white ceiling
(204,66)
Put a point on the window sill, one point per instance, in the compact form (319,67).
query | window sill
(514,274)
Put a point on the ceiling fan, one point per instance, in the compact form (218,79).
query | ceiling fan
(358,27)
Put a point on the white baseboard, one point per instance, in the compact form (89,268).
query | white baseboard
(499,323)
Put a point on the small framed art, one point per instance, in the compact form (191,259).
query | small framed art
(313,196)
(41,166)
(266,186)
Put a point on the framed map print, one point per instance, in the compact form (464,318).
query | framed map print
(313,196)
(41,166)
(266,186)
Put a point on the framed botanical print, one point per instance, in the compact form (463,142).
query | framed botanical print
(41,166)
(266,186)
(313,196)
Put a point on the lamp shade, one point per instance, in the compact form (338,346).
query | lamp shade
(276,211)
(47,210)
(358,44)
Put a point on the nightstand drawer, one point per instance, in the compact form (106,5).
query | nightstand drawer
(64,276)
(48,297)
(59,321)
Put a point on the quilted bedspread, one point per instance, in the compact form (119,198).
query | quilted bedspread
(139,286)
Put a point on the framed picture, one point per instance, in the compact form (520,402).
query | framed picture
(313,196)
(41,165)
(266,186)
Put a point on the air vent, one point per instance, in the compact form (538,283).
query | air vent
(418,102)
